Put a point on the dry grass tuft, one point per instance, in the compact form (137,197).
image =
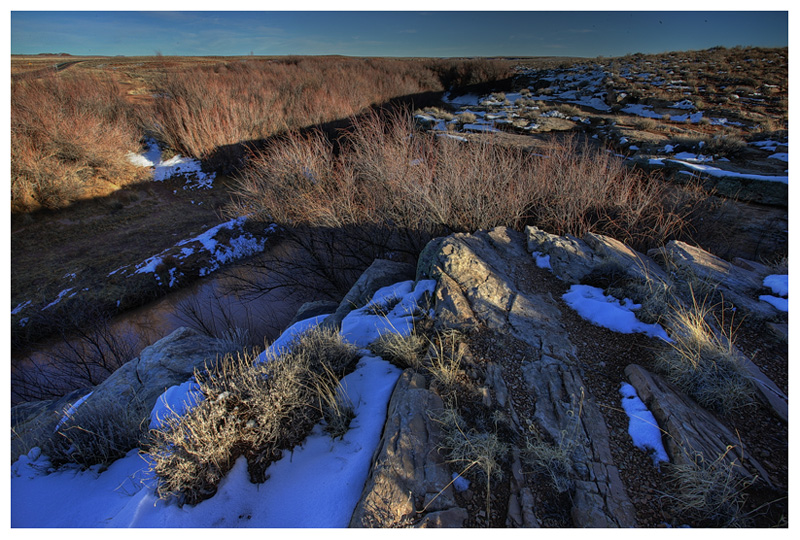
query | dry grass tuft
(702,360)
(710,491)
(255,410)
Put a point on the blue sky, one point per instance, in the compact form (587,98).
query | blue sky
(386,33)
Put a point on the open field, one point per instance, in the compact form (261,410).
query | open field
(672,115)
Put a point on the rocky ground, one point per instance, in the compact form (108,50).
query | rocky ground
(533,369)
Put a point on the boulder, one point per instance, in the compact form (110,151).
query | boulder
(171,360)
(134,387)
(381,273)
(630,261)
(313,309)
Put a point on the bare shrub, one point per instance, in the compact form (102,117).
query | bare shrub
(211,107)
(84,356)
(65,133)
(413,186)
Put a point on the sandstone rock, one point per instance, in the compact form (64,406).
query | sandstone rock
(491,268)
(380,273)
(633,263)
(409,480)
(689,429)
(451,309)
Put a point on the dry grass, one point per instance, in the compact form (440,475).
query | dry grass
(710,491)
(388,174)
(702,360)
(469,448)
(252,409)
(405,351)
(97,433)
(211,107)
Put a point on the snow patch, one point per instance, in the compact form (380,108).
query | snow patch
(608,312)
(642,426)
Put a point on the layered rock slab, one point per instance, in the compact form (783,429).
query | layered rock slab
(409,483)
(491,269)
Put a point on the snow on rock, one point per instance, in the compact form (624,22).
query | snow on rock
(175,402)
(642,426)
(69,413)
(391,309)
(608,312)
(781,304)
(542,261)
(716,172)
(284,341)
(237,247)
(779,283)
(480,128)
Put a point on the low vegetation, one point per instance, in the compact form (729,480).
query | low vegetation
(702,359)
(253,409)
(387,174)
(67,135)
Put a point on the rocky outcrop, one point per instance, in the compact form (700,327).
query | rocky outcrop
(409,484)
(135,386)
(381,273)
(492,269)
(689,430)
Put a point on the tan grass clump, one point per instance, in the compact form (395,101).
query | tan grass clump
(255,410)
(711,491)
(702,360)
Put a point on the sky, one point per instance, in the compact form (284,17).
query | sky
(448,32)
